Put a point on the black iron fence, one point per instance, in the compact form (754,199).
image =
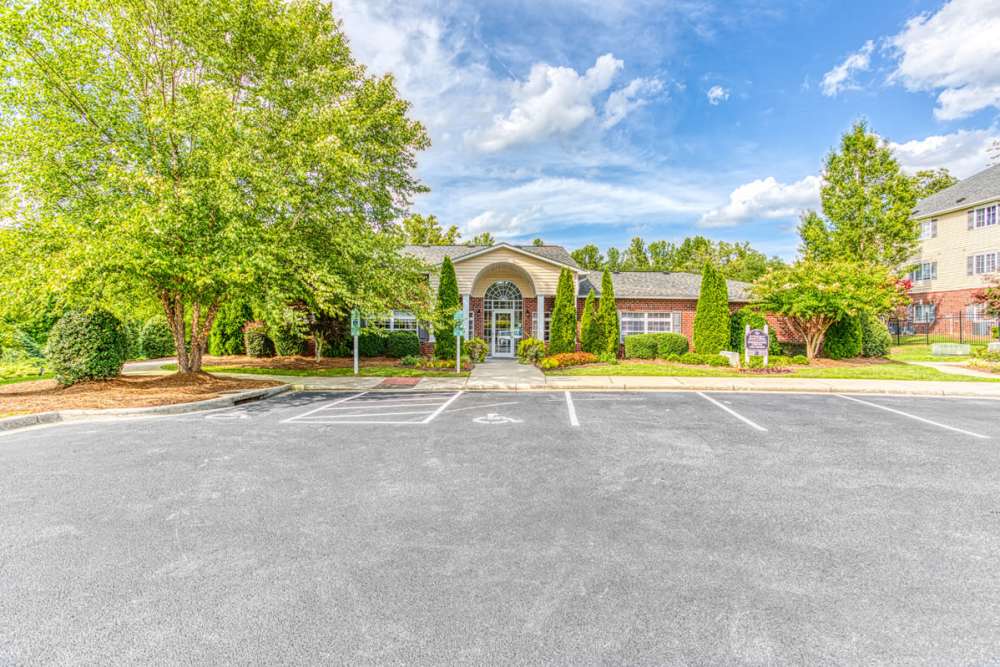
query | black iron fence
(960,328)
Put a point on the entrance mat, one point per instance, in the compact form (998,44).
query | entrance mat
(395,383)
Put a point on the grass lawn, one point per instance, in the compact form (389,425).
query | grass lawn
(24,378)
(923,353)
(867,371)
(364,371)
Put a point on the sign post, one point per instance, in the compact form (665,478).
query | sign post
(459,331)
(756,343)
(355,332)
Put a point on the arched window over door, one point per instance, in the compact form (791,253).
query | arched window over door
(503,310)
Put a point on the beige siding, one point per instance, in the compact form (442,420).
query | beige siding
(544,276)
(950,248)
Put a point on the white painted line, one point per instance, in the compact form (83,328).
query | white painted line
(441,409)
(323,407)
(743,419)
(372,404)
(478,407)
(369,414)
(334,423)
(573,421)
(919,419)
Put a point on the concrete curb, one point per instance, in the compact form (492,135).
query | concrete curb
(229,400)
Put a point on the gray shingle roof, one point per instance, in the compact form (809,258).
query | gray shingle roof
(435,254)
(977,188)
(658,285)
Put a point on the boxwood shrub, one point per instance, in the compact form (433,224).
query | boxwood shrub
(371,344)
(670,343)
(843,339)
(399,344)
(156,340)
(87,346)
(255,340)
(640,346)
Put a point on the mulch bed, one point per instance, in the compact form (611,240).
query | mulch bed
(122,392)
(298,363)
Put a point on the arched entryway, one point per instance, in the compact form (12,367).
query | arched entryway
(503,313)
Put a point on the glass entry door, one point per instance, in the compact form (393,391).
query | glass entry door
(503,333)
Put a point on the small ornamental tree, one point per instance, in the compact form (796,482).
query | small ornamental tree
(812,295)
(562,330)
(990,297)
(608,311)
(591,331)
(448,303)
(711,318)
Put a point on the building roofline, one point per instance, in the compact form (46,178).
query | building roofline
(504,244)
(959,207)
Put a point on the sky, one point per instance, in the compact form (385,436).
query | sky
(593,121)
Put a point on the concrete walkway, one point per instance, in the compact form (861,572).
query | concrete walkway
(503,374)
(954,368)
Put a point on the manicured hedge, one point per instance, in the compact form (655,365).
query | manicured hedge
(843,339)
(401,344)
(875,337)
(640,346)
(156,340)
(255,340)
(670,343)
(371,344)
(87,346)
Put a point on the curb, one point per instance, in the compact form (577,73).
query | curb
(229,400)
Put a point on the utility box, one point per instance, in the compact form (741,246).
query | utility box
(950,350)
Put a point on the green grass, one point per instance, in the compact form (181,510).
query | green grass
(24,378)
(889,371)
(364,371)
(923,353)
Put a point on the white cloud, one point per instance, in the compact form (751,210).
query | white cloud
(717,95)
(625,100)
(553,101)
(955,50)
(839,78)
(963,153)
(764,199)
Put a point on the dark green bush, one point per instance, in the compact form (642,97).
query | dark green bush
(255,340)
(530,350)
(288,340)
(371,344)
(226,337)
(156,340)
(562,326)
(477,349)
(340,346)
(670,343)
(703,359)
(400,344)
(640,346)
(875,337)
(592,338)
(448,303)
(843,339)
(711,317)
(87,346)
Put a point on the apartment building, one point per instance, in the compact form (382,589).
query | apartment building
(959,248)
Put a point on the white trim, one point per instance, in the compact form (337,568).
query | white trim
(486,249)
(953,209)
(540,318)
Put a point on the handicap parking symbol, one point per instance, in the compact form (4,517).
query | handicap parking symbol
(494,418)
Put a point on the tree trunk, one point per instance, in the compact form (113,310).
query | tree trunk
(189,354)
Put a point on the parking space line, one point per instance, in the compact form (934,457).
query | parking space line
(380,404)
(743,419)
(444,405)
(374,414)
(919,419)
(324,407)
(573,421)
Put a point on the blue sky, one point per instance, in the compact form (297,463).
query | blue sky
(583,121)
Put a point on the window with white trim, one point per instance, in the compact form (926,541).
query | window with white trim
(923,313)
(985,216)
(976,311)
(640,323)
(982,263)
(928,229)
(399,320)
(924,271)
(548,323)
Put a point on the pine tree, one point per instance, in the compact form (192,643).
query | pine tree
(562,330)
(591,328)
(608,312)
(448,303)
(711,318)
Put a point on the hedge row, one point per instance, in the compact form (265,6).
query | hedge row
(655,346)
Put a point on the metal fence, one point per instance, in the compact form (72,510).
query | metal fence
(958,328)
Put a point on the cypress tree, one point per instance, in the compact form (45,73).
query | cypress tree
(608,312)
(591,328)
(227,330)
(562,330)
(448,303)
(711,318)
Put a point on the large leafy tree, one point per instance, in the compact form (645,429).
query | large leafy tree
(192,153)
(589,257)
(867,202)
(811,295)
(562,329)
(931,181)
(483,239)
(426,230)
(636,257)
(711,317)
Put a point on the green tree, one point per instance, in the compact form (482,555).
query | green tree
(867,202)
(927,182)
(711,317)
(812,295)
(607,311)
(562,328)
(538,242)
(227,331)
(188,154)
(484,239)
(592,338)
(613,262)
(588,257)
(448,303)
(636,258)
(426,230)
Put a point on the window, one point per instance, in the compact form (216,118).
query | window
(982,263)
(976,311)
(639,323)
(400,320)
(982,217)
(924,271)
(923,313)
(928,229)
(548,322)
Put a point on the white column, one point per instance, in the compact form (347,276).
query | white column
(465,308)
(540,320)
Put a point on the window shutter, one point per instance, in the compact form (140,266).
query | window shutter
(933,270)
(972,219)
(676,320)
(969,267)
(933,228)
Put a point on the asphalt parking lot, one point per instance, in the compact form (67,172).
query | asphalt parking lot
(479,528)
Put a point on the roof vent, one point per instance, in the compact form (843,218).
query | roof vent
(960,200)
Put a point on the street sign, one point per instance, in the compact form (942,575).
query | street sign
(459,323)
(355,322)
(756,343)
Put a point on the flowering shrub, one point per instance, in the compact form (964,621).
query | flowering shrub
(530,350)
(567,359)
